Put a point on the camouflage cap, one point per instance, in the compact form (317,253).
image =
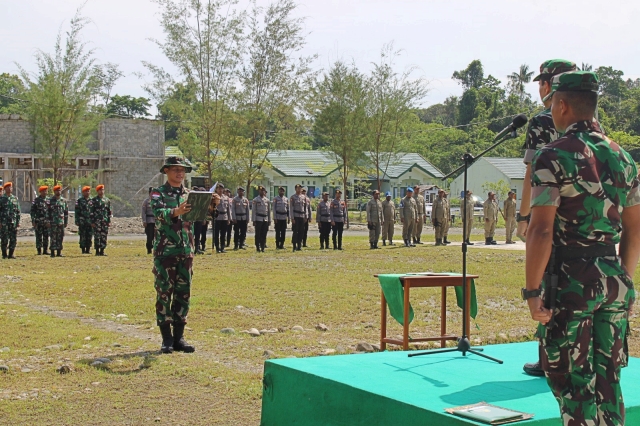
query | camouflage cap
(176,161)
(554,67)
(575,81)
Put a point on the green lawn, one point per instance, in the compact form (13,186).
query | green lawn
(65,312)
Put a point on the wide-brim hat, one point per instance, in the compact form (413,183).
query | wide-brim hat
(176,161)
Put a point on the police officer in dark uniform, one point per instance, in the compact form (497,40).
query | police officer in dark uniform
(280,217)
(240,218)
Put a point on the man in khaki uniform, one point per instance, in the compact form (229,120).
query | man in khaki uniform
(490,218)
(408,215)
(447,218)
(374,219)
(422,215)
(389,219)
(510,216)
(468,215)
(439,217)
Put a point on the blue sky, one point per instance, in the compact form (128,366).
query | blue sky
(436,36)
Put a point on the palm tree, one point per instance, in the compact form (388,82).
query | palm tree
(517,80)
(586,67)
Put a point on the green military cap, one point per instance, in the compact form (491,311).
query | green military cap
(554,67)
(175,161)
(576,81)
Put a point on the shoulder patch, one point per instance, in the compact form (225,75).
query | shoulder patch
(155,195)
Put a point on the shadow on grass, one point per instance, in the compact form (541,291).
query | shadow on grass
(128,362)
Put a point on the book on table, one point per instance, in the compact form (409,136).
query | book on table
(490,414)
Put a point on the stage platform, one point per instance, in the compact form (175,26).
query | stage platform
(389,388)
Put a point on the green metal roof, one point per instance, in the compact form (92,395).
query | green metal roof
(513,168)
(302,162)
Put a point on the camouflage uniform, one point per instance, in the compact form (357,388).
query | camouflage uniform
(39,220)
(58,217)
(9,220)
(172,256)
(590,180)
(100,208)
(83,222)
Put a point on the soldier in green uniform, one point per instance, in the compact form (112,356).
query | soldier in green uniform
(172,255)
(100,219)
(83,220)
(9,221)
(39,220)
(57,220)
(585,199)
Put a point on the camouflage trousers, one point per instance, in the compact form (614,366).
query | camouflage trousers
(57,236)
(85,233)
(100,232)
(173,288)
(8,236)
(42,236)
(583,353)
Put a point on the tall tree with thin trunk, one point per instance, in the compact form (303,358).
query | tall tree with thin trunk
(517,80)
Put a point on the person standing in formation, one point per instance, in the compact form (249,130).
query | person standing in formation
(9,221)
(149,222)
(490,218)
(197,230)
(421,217)
(309,214)
(82,219)
(57,220)
(374,219)
(100,219)
(469,204)
(298,213)
(280,217)
(230,226)
(323,219)
(338,211)
(260,214)
(439,217)
(240,218)
(389,219)
(510,216)
(39,220)
(212,214)
(447,218)
(223,219)
(172,256)
(408,215)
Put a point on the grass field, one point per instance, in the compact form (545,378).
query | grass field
(73,310)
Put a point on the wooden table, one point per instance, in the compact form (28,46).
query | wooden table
(432,280)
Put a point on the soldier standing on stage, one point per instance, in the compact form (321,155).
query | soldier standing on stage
(260,214)
(490,208)
(323,219)
(298,213)
(338,211)
(9,221)
(469,205)
(240,218)
(439,217)
(408,214)
(447,218)
(374,219)
(422,215)
(230,227)
(222,220)
(149,222)
(309,214)
(280,217)
(100,219)
(510,216)
(172,256)
(389,219)
(57,220)
(39,220)
(82,219)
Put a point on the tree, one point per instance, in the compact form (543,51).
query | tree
(59,98)
(517,80)
(108,74)
(586,67)
(11,91)
(128,106)
(472,76)
(501,189)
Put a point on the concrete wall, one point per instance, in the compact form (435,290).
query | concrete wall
(15,135)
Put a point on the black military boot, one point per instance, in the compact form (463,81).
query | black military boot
(391,243)
(487,241)
(469,243)
(492,241)
(167,338)
(533,369)
(44,250)
(4,253)
(53,254)
(179,344)
(446,241)
(11,256)
(439,241)
(102,252)
(39,252)
(59,253)
(370,246)
(97,252)
(148,251)
(384,242)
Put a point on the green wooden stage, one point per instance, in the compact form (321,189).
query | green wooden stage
(389,388)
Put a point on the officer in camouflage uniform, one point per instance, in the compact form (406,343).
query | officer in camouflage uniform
(9,221)
(57,220)
(585,190)
(39,220)
(100,219)
(540,132)
(172,255)
(83,220)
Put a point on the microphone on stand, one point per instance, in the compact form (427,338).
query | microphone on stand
(517,122)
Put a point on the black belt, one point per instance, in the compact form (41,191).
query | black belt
(325,215)
(566,252)
(338,215)
(282,213)
(150,215)
(299,212)
(240,215)
(261,215)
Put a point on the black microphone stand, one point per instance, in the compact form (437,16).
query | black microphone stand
(464,345)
